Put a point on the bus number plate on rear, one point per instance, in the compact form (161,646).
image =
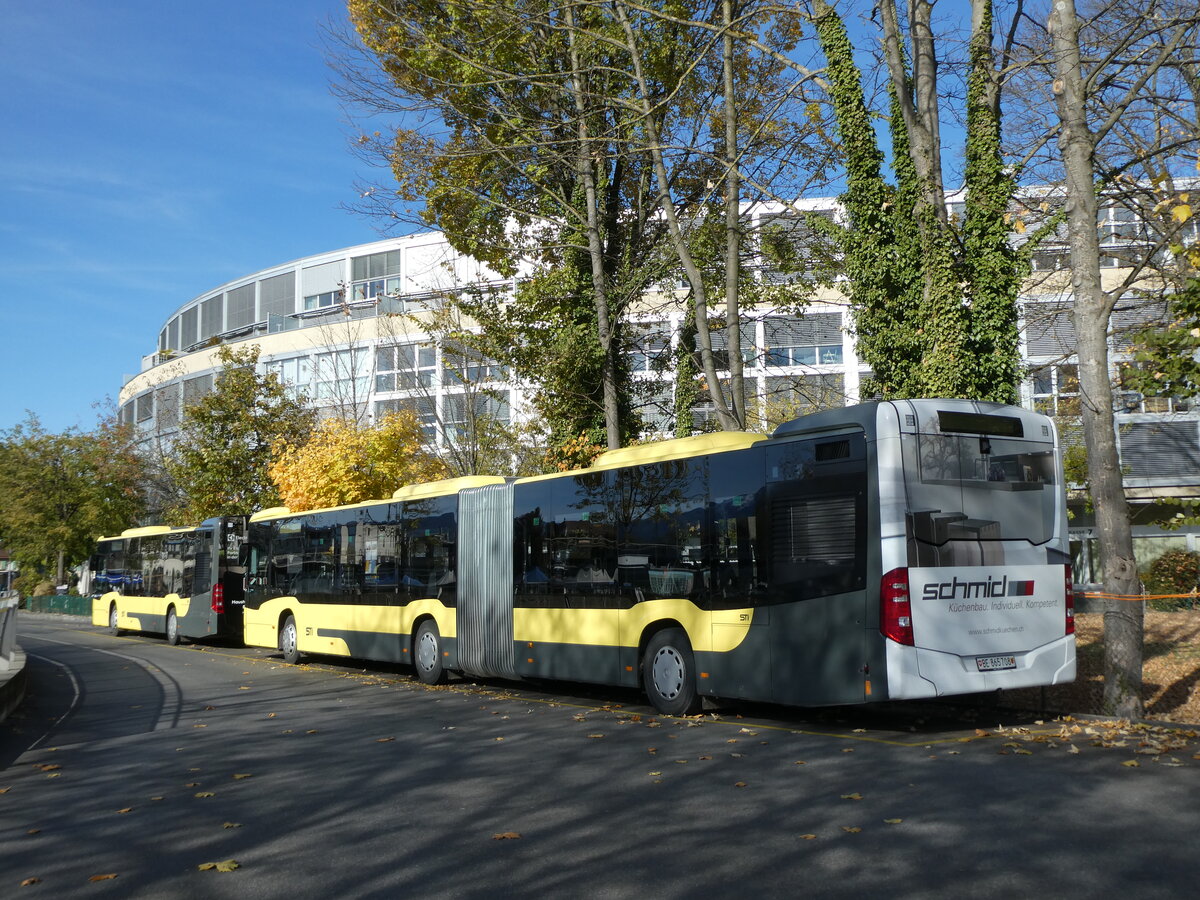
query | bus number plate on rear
(995,663)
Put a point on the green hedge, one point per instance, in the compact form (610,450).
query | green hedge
(1175,572)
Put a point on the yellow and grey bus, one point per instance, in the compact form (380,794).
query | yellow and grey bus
(179,582)
(890,550)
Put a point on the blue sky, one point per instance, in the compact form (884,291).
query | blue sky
(152,151)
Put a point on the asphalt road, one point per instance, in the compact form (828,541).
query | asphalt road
(141,761)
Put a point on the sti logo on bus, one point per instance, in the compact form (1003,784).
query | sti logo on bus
(975,590)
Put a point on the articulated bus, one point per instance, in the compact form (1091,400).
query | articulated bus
(181,582)
(891,550)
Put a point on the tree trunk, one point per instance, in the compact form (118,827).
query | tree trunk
(587,172)
(1123,619)
(733,329)
(678,239)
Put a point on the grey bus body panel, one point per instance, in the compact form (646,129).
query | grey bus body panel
(485,582)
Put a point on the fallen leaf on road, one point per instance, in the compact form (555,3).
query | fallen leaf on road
(808,837)
(232,825)
(1131,763)
(799,762)
(854,796)
(506,836)
(206,794)
(739,784)
(893,821)
(238,776)
(851,829)
(34,831)
(127,809)
(226,865)
(50,767)
(384,740)
(28,881)
(108,877)
(595,736)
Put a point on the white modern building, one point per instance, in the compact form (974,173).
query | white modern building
(352,329)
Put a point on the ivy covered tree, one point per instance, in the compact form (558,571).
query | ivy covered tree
(62,490)
(343,462)
(934,301)
(220,459)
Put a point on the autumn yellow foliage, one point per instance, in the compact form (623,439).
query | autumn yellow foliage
(343,462)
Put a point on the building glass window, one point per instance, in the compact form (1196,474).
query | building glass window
(787,397)
(1056,389)
(462,411)
(809,341)
(404,367)
(340,375)
(650,346)
(375,275)
(322,300)
(293,373)
(424,408)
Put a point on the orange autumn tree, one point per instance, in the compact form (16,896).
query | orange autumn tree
(343,462)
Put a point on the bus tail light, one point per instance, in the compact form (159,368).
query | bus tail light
(895,609)
(1070,621)
(218,598)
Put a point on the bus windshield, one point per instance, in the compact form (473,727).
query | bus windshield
(979,488)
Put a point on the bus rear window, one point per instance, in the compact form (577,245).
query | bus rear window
(979,488)
(980,423)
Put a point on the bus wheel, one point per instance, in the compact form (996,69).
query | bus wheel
(669,674)
(289,641)
(427,653)
(172,627)
(112,619)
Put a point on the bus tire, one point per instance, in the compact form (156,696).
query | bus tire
(669,674)
(427,653)
(289,641)
(112,619)
(172,627)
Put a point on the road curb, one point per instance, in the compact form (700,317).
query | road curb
(12,683)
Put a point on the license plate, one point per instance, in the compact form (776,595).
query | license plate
(995,663)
